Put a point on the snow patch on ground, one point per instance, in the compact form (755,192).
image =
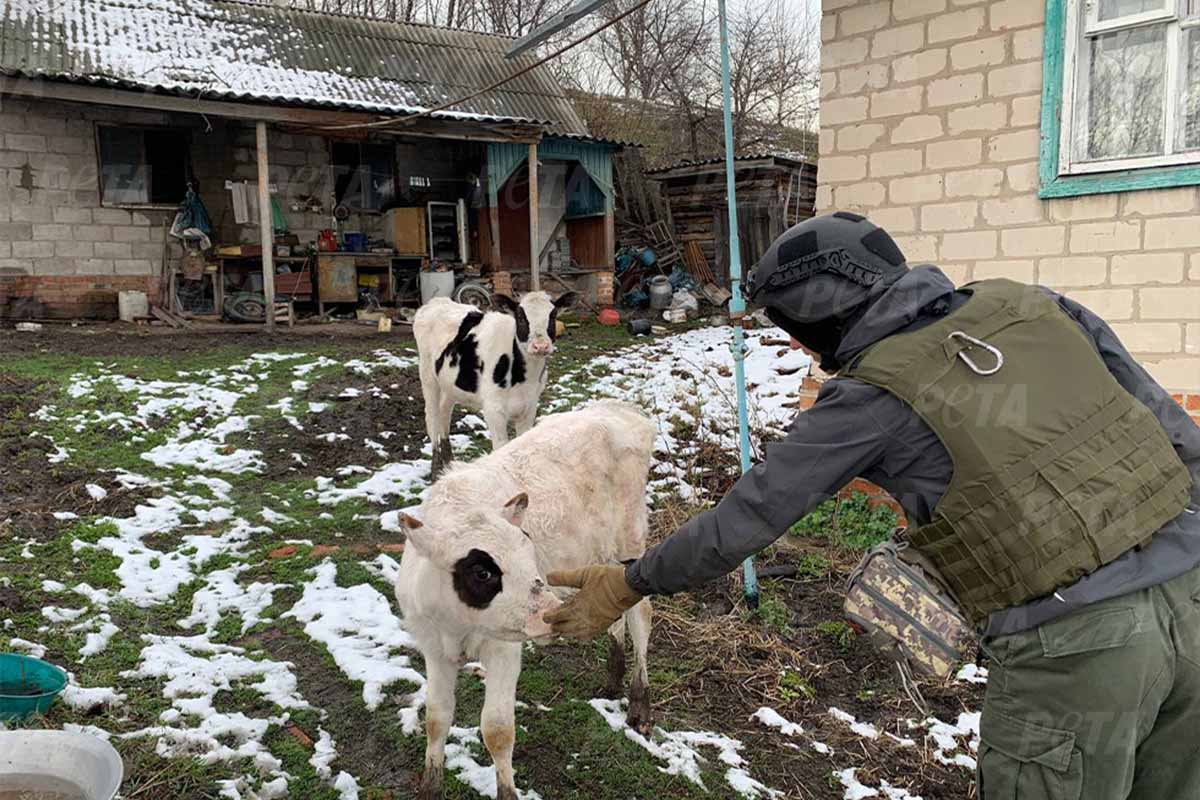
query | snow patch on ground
(863,729)
(461,746)
(358,628)
(679,750)
(972,673)
(223,593)
(946,739)
(689,378)
(87,700)
(399,479)
(772,719)
(324,754)
(195,670)
(854,790)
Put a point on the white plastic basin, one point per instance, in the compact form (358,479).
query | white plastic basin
(76,766)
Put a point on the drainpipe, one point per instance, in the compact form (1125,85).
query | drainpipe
(737,305)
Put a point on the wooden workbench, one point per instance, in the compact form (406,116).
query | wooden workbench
(337,276)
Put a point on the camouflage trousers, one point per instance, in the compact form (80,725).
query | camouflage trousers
(1103,704)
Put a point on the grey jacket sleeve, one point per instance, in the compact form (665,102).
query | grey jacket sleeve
(1181,430)
(843,434)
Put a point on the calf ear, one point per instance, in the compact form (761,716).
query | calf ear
(417,535)
(514,510)
(504,303)
(566,301)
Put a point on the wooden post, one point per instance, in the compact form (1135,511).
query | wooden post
(535,283)
(265,223)
(610,233)
(494,229)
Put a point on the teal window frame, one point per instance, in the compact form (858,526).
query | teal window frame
(1050,183)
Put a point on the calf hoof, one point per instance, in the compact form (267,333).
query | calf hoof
(640,717)
(431,784)
(443,454)
(616,670)
(506,793)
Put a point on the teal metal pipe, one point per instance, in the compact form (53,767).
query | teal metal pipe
(737,305)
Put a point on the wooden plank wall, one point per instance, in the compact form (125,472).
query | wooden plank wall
(699,212)
(514,221)
(587,239)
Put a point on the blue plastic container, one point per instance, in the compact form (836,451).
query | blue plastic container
(27,686)
(356,242)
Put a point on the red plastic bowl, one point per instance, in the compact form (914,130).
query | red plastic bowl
(608,316)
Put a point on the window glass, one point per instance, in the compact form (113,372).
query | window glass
(123,177)
(1189,111)
(379,179)
(1126,88)
(1114,9)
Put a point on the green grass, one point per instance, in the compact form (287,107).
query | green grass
(775,614)
(793,687)
(851,522)
(839,632)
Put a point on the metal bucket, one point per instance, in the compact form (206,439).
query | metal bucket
(436,284)
(77,766)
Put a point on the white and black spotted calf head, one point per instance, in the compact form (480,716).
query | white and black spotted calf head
(535,314)
(487,579)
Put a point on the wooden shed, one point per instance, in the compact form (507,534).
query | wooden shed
(774,192)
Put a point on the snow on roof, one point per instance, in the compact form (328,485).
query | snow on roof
(232,50)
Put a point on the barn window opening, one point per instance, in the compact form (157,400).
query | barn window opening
(364,174)
(143,166)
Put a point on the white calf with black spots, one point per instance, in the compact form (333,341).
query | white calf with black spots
(471,584)
(494,363)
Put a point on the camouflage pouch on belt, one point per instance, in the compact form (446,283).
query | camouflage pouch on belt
(897,597)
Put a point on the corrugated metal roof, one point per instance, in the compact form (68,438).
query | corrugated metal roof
(781,155)
(226,49)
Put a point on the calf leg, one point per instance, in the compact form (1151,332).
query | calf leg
(439,715)
(616,660)
(437,421)
(524,422)
(638,619)
(497,422)
(502,660)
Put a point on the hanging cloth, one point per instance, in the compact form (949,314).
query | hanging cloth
(191,221)
(278,220)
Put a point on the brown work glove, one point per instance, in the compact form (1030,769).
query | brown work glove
(603,597)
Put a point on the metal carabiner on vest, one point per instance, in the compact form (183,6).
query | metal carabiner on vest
(979,342)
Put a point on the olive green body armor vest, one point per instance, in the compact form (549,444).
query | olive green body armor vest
(1057,469)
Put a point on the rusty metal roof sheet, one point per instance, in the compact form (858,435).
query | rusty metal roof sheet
(234,50)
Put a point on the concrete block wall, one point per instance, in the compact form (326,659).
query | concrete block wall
(298,166)
(58,244)
(70,254)
(930,114)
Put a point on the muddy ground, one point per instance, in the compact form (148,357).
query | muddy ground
(714,661)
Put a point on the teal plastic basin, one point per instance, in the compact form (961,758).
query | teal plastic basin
(27,686)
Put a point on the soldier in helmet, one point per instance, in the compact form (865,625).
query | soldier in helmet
(1047,476)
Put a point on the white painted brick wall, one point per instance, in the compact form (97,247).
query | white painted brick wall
(930,124)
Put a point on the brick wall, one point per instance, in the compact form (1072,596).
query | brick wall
(930,125)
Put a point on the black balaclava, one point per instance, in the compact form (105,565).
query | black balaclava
(821,276)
